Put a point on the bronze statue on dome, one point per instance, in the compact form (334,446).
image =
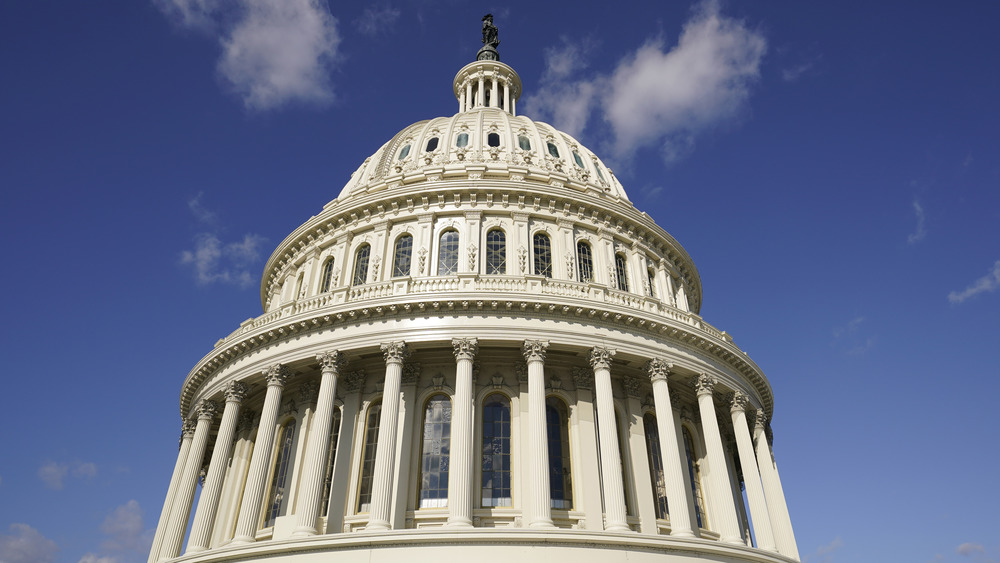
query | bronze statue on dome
(490,41)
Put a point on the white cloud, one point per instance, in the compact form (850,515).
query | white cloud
(657,96)
(199,211)
(25,544)
(124,529)
(53,474)
(824,553)
(376,20)
(88,470)
(215,261)
(970,549)
(851,339)
(985,284)
(793,73)
(921,231)
(273,51)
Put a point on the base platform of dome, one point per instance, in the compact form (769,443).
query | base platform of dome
(480,349)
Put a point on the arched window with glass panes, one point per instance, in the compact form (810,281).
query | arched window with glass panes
(560,462)
(621,272)
(655,460)
(281,470)
(448,253)
(496,252)
(327,275)
(401,253)
(435,452)
(368,457)
(495,448)
(584,261)
(542,248)
(361,265)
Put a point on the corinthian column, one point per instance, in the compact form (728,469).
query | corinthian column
(607,433)
(718,476)
(253,493)
(776,507)
(751,478)
(385,452)
(319,442)
(187,434)
(208,504)
(670,453)
(181,509)
(540,497)
(460,470)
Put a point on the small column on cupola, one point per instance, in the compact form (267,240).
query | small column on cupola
(487,83)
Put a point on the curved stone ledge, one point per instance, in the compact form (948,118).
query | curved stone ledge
(522,545)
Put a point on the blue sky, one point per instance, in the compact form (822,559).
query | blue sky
(832,167)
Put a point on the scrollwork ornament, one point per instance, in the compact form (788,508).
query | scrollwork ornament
(521,371)
(522,259)
(236,391)
(309,392)
(277,375)
(465,348)
(354,380)
(705,384)
(600,357)
(570,264)
(534,350)
(583,378)
(207,409)
(658,369)
(631,385)
(395,352)
(331,361)
(738,402)
(472,257)
(411,373)
(421,260)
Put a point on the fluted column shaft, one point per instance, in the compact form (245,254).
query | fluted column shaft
(670,452)
(480,95)
(311,488)
(540,496)
(253,493)
(181,509)
(208,504)
(781,524)
(187,435)
(385,452)
(751,478)
(729,527)
(460,457)
(607,431)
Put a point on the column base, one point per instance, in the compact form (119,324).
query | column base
(195,549)
(242,540)
(377,527)
(541,524)
(459,523)
(618,528)
(682,534)
(304,531)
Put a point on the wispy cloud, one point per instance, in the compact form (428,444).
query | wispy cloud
(851,338)
(566,102)
(657,96)
(24,544)
(376,20)
(824,553)
(920,231)
(125,537)
(273,51)
(54,474)
(986,284)
(214,260)
(976,552)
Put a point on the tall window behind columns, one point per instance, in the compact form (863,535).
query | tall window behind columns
(435,452)
(496,451)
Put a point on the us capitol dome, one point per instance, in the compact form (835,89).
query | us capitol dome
(480,350)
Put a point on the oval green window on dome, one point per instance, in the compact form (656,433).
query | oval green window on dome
(404,152)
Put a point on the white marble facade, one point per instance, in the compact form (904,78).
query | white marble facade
(481,346)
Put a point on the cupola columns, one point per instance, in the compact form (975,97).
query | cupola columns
(487,84)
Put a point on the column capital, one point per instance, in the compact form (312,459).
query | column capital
(187,428)
(534,350)
(583,378)
(658,368)
(332,360)
(600,357)
(759,420)
(207,409)
(738,402)
(705,384)
(395,352)
(236,391)
(277,375)
(631,384)
(465,348)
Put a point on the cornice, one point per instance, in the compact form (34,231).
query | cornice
(660,321)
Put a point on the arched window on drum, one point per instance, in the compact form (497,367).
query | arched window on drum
(448,253)
(401,253)
(542,247)
(361,265)
(331,458)
(495,450)
(281,471)
(584,262)
(621,272)
(496,252)
(327,276)
(435,452)
(694,475)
